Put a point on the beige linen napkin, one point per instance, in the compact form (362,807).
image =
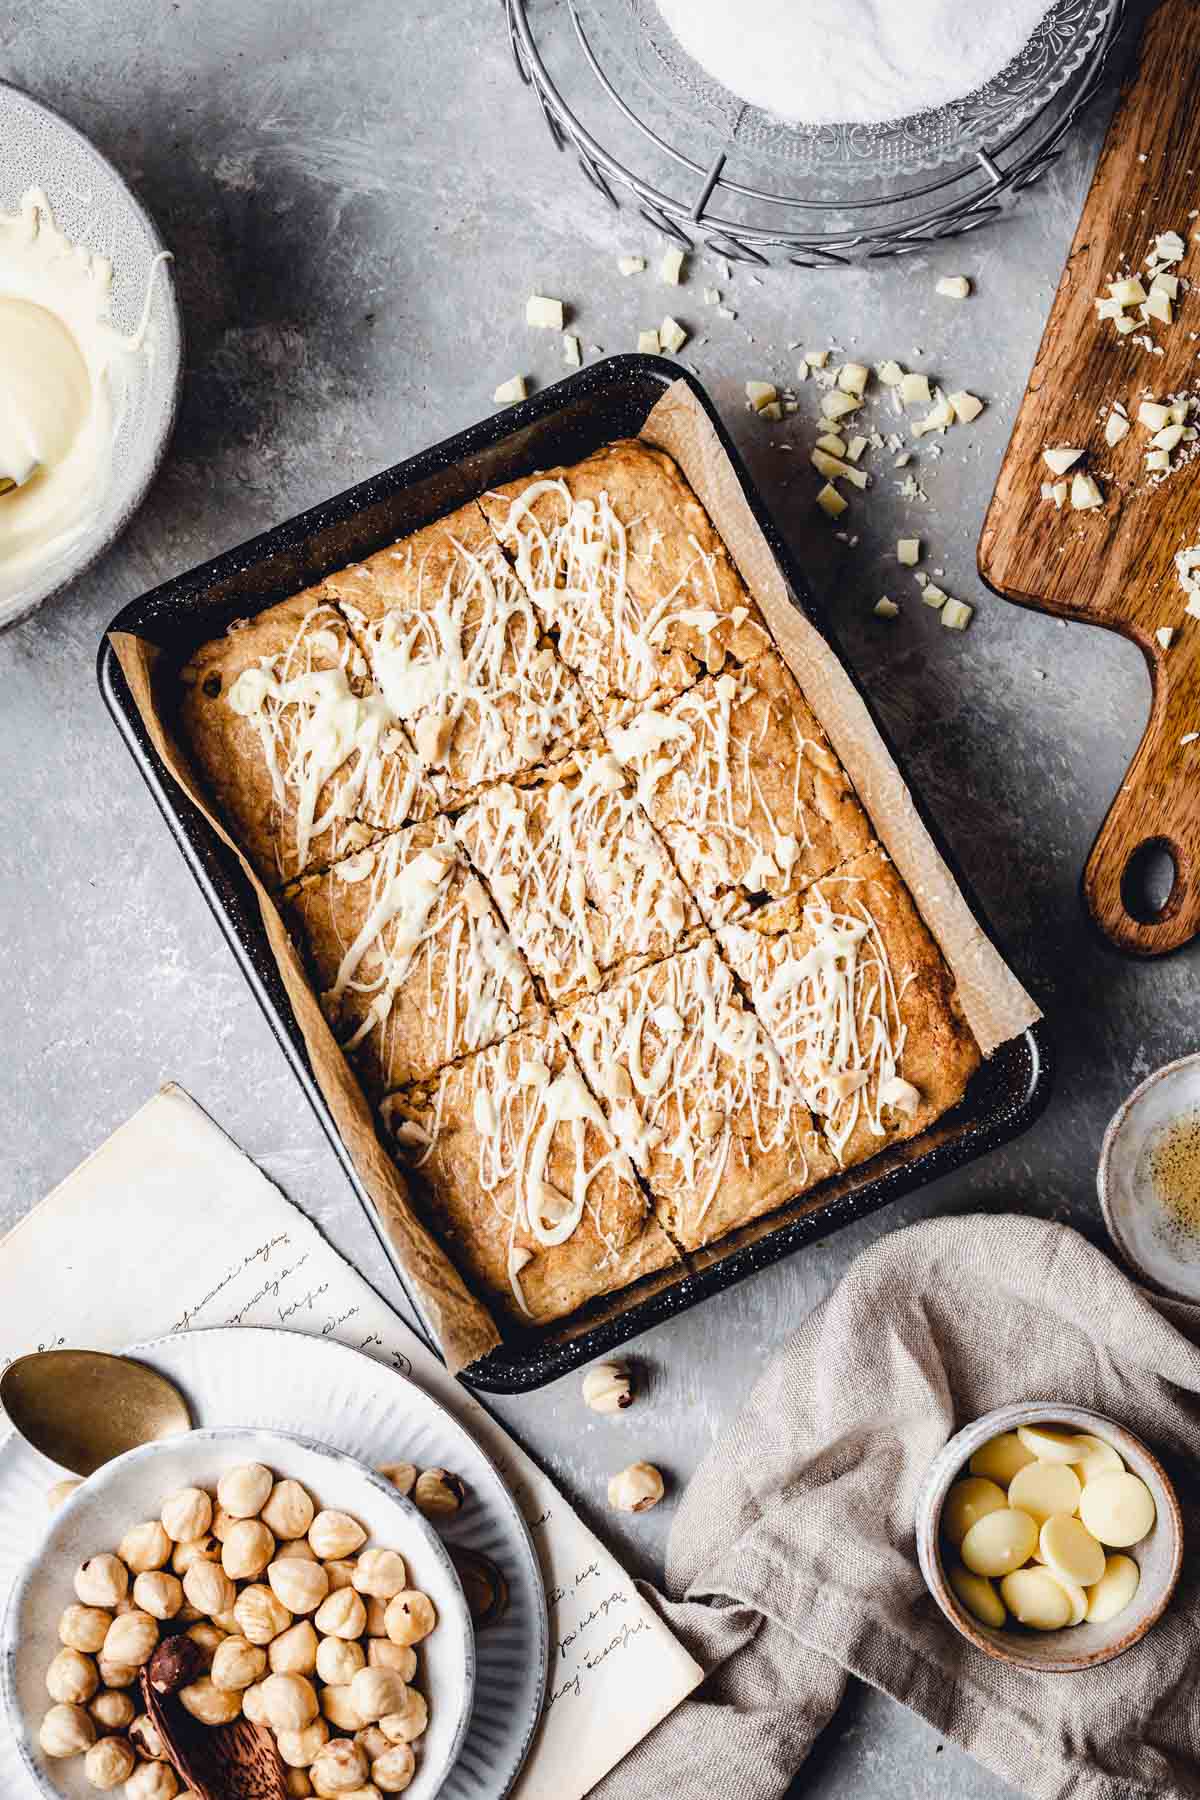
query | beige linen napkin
(793,1564)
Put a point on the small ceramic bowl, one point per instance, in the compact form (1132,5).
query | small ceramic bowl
(133,1488)
(1156,1246)
(1159,1555)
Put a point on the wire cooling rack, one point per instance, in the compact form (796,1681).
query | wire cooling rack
(648,124)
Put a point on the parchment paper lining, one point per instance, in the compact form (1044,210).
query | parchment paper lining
(996,1005)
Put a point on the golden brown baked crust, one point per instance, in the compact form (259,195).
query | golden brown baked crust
(307,768)
(622,559)
(861,1005)
(411,963)
(507,1146)
(740,781)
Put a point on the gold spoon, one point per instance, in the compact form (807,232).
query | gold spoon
(81,1408)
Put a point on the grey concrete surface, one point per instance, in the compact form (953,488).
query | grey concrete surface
(360,197)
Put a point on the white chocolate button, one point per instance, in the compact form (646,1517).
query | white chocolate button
(1098,1459)
(1075,1594)
(998,1542)
(1049,1445)
(1044,1488)
(978,1596)
(1069,1549)
(1000,1459)
(1114,1590)
(967,1501)
(1035,1598)
(1117,1508)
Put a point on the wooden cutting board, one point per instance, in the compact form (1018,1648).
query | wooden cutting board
(1115,566)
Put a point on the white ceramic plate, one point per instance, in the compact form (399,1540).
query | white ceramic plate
(1155,1245)
(94,207)
(134,1486)
(285,1381)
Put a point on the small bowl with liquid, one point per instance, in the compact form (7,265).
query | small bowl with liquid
(1149,1179)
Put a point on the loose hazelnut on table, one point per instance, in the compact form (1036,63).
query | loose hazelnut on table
(187,1515)
(290,1702)
(84,1628)
(145,1547)
(289,1511)
(410,1617)
(207,1586)
(159,1594)
(335,1534)
(636,1489)
(438,1493)
(146,1739)
(152,1781)
(67,1731)
(101,1581)
(109,1763)
(260,1614)
(342,1615)
(408,1721)
(132,1639)
(402,1475)
(339,1662)
(383,1654)
(243,1492)
(238,1664)
(60,1493)
(338,1707)
(607,1389)
(209,1703)
(246,1550)
(72,1678)
(297,1748)
(338,1768)
(112,1711)
(393,1771)
(294,1652)
(380,1573)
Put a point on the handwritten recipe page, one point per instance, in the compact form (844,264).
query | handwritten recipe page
(226,1239)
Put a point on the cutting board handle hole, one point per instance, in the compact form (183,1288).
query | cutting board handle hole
(1148,883)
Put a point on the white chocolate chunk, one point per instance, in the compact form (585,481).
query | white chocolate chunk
(1117,1508)
(957,615)
(970,1499)
(978,1596)
(671,267)
(890,372)
(939,419)
(933,595)
(631,265)
(761,393)
(852,378)
(885,608)
(1164,634)
(671,335)
(1158,307)
(1114,1590)
(509,392)
(1158,461)
(1128,292)
(915,390)
(954,287)
(908,552)
(1115,428)
(1165,284)
(1000,1541)
(836,404)
(1153,415)
(648,343)
(1049,1445)
(855,448)
(1085,493)
(1069,1549)
(772,410)
(1044,1488)
(830,501)
(967,407)
(1059,491)
(816,359)
(833,467)
(1168,438)
(1035,1598)
(1059,460)
(832,444)
(1001,1458)
(542,311)
(572,351)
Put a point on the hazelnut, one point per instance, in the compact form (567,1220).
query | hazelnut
(67,1731)
(159,1594)
(131,1640)
(408,1721)
(338,1706)
(410,1617)
(402,1475)
(146,1738)
(112,1712)
(208,1586)
(84,1628)
(187,1515)
(374,1692)
(226,1623)
(245,1491)
(289,1511)
(380,1573)
(607,1388)
(247,1549)
(252,1704)
(296,1784)
(335,1534)
(383,1654)
(60,1493)
(297,1748)
(222,1524)
(342,1615)
(294,1652)
(261,1616)
(102,1581)
(109,1763)
(290,1702)
(372,1742)
(338,1767)
(152,1781)
(297,1550)
(301,1586)
(116,1675)
(340,1571)
(72,1678)
(393,1771)
(209,1703)
(178,1660)
(377,1617)
(201,1549)
(636,1489)
(208,1639)
(145,1547)
(338,1662)
(438,1493)
(237,1664)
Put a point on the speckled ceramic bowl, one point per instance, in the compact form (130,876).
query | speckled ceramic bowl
(133,1488)
(1159,1555)
(1153,1244)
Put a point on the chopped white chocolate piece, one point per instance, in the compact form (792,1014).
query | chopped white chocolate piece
(954,287)
(816,359)
(833,467)
(1158,462)
(772,410)
(1115,428)
(837,404)
(648,343)
(1168,247)
(966,406)
(852,378)
(671,267)
(1178,410)
(1085,493)
(712,296)
(1127,292)
(631,265)
(957,615)
(1060,460)
(832,443)
(1165,284)
(855,448)
(1152,415)
(933,595)
(572,352)
(1108,308)
(886,609)
(915,390)
(761,393)
(509,392)
(939,419)
(1158,307)
(1168,437)
(908,552)
(903,460)
(1124,325)
(547,314)
(1190,737)
(890,373)
(1060,494)
(671,335)
(1047,490)
(830,501)
(1164,634)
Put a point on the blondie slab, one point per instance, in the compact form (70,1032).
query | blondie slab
(860,1003)
(412,965)
(740,780)
(696,1093)
(518,1171)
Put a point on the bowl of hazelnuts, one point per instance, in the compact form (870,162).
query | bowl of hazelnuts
(221,1578)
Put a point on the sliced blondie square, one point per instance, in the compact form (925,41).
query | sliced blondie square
(302,754)
(740,780)
(457,649)
(578,874)
(697,1094)
(518,1171)
(628,574)
(411,964)
(860,1003)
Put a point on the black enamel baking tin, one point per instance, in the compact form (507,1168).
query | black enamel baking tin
(609,400)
